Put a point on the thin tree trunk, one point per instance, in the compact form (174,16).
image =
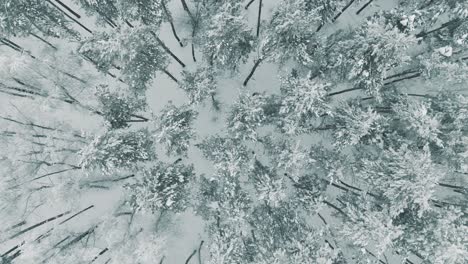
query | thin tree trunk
(250,2)
(199,252)
(39,224)
(364,7)
(259,17)
(114,180)
(451,186)
(190,257)
(257,63)
(336,208)
(68,8)
(401,73)
(193,37)
(185,6)
(162,260)
(12,249)
(70,17)
(52,173)
(135,121)
(79,238)
(193,53)
(345,91)
(171,22)
(100,254)
(423,34)
(140,117)
(343,10)
(170,75)
(405,78)
(75,215)
(6,42)
(43,40)
(160,42)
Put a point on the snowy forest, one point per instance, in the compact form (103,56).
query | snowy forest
(233,131)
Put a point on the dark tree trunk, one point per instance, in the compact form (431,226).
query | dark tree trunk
(199,252)
(401,73)
(185,6)
(140,117)
(160,42)
(70,17)
(75,215)
(51,173)
(193,46)
(343,10)
(100,254)
(193,53)
(405,78)
(344,91)
(190,257)
(364,7)
(43,40)
(39,224)
(68,8)
(319,27)
(259,17)
(257,63)
(170,75)
(423,34)
(248,4)
(171,22)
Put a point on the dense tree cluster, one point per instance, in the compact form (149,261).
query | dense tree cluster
(359,156)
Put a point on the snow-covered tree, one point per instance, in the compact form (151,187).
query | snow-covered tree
(303,101)
(118,149)
(199,85)
(119,109)
(251,112)
(174,128)
(21,18)
(290,34)
(224,36)
(355,124)
(133,50)
(163,187)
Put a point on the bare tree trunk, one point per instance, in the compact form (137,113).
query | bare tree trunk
(52,173)
(364,7)
(345,91)
(185,6)
(343,10)
(100,254)
(401,73)
(160,42)
(257,63)
(68,8)
(248,4)
(39,224)
(75,215)
(70,17)
(190,257)
(43,40)
(423,34)
(171,22)
(140,117)
(199,252)
(170,75)
(259,17)
(405,78)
